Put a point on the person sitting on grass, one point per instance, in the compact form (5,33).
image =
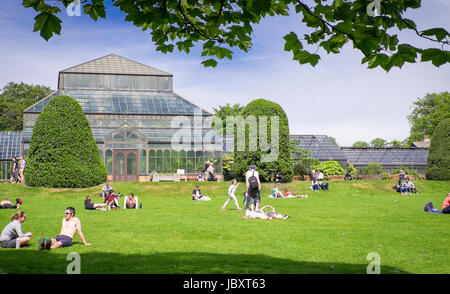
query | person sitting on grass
(111,200)
(131,202)
(12,235)
(276,193)
(446,205)
(5,203)
(231,195)
(197,195)
(70,225)
(106,190)
(409,187)
(94,206)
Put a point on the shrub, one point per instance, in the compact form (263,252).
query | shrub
(63,152)
(244,159)
(352,170)
(385,176)
(330,167)
(373,168)
(438,165)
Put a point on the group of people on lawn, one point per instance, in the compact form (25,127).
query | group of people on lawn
(405,185)
(17,170)
(13,237)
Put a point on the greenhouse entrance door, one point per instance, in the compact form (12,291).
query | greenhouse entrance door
(125,165)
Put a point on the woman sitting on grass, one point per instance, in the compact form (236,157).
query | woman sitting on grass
(12,236)
(197,195)
(94,206)
(276,193)
(131,202)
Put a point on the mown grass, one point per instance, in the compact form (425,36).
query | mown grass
(330,232)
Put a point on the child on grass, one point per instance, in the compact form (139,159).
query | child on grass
(231,191)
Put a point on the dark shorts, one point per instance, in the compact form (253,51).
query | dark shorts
(254,198)
(65,241)
(9,243)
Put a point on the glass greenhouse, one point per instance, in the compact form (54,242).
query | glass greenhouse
(140,125)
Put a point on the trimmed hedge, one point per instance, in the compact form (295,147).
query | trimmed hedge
(244,159)
(63,152)
(331,167)
(438,165)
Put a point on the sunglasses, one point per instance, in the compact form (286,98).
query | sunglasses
(67,213)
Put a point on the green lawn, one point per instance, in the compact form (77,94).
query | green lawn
(330,232)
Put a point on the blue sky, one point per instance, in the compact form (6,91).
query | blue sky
(339,97)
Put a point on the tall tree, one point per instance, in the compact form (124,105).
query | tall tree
(426,115)
(438,164)
(14,99)
(227,110)
(378,143)
(360,144)
(220,26)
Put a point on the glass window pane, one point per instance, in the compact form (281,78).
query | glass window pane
(151,161)
(108,161)
(131,164)
(119,164)
(142,162)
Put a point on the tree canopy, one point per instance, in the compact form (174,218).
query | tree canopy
(14,99)
(221,26)
(438,165)
(426,115)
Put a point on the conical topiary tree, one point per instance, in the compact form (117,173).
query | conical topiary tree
(244,158)
(438,165)
(63,152)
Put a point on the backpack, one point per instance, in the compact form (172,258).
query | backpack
(253,182)
(428,207)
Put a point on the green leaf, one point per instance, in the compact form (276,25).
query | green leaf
(304,57)
(440,33)
(95,10)
(31,3)
(436,56)
(209,62)
(48,24)
(292,42)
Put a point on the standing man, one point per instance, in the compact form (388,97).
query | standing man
(22,164)
(70,225)
(253,185)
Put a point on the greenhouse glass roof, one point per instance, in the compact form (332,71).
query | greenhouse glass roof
(125,102)
(321,147)
(10,144)
(386,156)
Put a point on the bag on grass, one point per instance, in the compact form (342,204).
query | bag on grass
(428,207)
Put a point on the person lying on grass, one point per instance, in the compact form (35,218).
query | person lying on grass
(446,205)
(94,206)
(12,236)
(197,195)
(5,203)
(70,225)
(288,194)
(265,215)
